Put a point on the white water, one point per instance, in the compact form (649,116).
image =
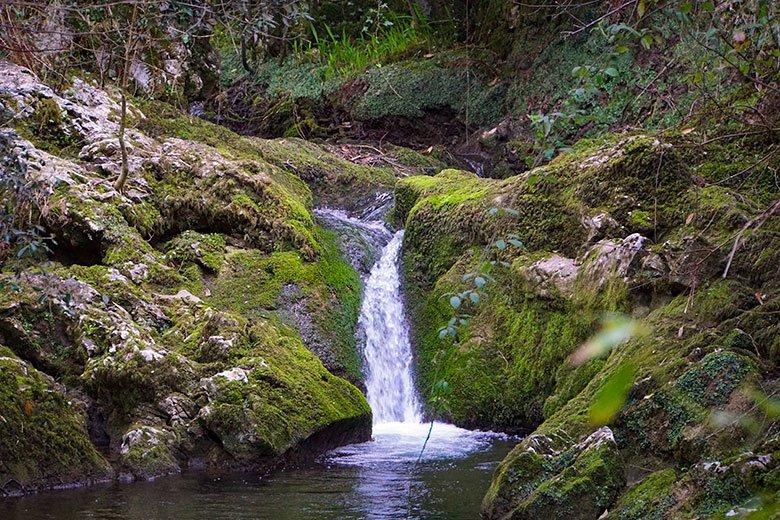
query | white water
(399,430)
(388,351)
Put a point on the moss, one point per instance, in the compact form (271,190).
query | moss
(335,181)
(321,299)
(143,216)
(713,379)
(165,121)
(45,129)
(448,213)
(288,396)
(511,356)
(581,481)
(147,452)
(650,499)
(410,89)
(640,220)
(43,438)
(206,250)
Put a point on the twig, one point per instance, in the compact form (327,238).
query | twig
(602,17)
(758,221)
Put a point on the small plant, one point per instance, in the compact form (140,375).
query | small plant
(464,303)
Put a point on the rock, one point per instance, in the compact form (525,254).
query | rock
(39,424)
(179,409)
(146,451)
(552,276)
(580,481)
(135,331)
(615,257)
(600,226)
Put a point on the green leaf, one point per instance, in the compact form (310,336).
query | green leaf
(611,396)
(646,41)
(686,7)
(515,242)
(616,329)
(455,302)
(441,387)
(611,71)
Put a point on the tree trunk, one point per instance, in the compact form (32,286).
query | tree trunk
(128,58)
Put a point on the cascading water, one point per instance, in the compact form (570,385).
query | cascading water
(388,351)
(391,483)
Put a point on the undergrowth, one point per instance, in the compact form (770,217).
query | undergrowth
(344,54)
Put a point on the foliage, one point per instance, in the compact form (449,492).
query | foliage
(22,237)
(394,37)
(464,302)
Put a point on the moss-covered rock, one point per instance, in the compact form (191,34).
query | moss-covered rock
(580,481)
(43,432)
(320,299)
(616,224)
(209,264)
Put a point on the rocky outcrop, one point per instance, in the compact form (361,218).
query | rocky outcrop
(580,481)
(589,240)
(160,331)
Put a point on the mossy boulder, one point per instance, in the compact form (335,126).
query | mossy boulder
(209,263)
(319,299)
(280,399)
(580,481)
(615,225)
(43,432)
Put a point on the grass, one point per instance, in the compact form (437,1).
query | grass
(344,54)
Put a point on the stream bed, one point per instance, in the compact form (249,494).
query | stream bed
(374,480)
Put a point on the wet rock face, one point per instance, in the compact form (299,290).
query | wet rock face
(137,343)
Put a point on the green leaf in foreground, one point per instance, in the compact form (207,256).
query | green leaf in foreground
(612,395)
(616,329)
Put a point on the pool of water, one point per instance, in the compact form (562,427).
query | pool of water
(376,480)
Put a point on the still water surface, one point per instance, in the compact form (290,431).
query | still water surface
(374,480)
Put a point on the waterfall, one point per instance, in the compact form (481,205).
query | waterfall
(388,351)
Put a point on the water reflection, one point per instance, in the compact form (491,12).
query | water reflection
(376,480)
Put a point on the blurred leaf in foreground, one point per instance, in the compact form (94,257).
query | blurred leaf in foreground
(615,330)
(612,395)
